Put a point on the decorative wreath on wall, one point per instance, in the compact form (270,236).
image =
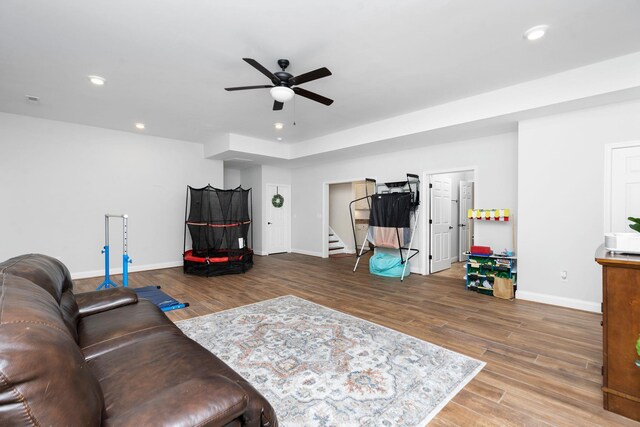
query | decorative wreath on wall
(277,201)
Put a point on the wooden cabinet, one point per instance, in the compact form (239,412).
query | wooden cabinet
(621,327)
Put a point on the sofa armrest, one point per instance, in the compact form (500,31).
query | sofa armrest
(208,401)
(98,301)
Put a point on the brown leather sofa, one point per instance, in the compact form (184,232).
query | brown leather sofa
(106,358)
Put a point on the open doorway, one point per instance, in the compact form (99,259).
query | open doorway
(449,232)
(340,237)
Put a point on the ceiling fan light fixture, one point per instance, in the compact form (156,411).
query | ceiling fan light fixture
(282,93)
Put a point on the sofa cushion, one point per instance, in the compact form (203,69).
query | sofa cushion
(167,368)
(112,329)
(211,400)
(43,374)
(107,299)
(52,276)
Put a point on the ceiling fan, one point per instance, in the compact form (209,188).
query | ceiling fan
(282,90)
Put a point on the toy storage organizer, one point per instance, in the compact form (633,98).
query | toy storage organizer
(483,269)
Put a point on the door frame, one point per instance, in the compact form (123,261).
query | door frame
(608,157)
(464,232)
(325,211)
(425,234)
(267,205)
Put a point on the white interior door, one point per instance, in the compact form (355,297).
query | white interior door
(466,203)
(278,220)
(625,187)
(440,223)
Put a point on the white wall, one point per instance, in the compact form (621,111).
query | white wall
(494,158)
(57,181)
(232,178)
(274,175)
(252,178)
(561,201)
(340,195)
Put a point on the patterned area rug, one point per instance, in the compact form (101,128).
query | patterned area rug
(320,367)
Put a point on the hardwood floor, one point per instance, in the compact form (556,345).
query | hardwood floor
(543,362)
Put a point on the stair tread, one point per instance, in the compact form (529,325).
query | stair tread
(334,241)
(336,247)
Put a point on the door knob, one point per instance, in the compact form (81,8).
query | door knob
(450,227)
(269,223)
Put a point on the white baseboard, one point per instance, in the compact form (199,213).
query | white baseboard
(305,252)
(132,269)
(559,301)
(415,270)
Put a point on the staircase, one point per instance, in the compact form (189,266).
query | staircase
(336,245)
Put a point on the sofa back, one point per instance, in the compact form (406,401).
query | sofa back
(44,379)
(52,276)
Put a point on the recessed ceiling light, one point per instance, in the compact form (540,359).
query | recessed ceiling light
(535,33)
(278,125)
(279,138)
(97,80)
(140,126)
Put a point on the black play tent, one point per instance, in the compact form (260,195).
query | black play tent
(218,222)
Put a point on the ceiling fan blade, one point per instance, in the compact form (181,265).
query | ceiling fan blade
(247,87)
(263,70)
(313,96)
(277,105)
(311,75)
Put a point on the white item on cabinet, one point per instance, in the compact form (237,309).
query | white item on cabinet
(628,243)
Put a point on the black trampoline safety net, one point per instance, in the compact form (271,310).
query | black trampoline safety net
(218,220)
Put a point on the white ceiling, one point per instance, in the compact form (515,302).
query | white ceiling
(166,62)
